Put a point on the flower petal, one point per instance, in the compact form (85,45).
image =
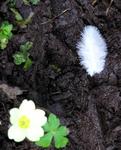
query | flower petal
(40,112)
(27,105)
(16,134)
(39,117)
(34,134)
(14,114)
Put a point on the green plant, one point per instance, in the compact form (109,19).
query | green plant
(26,2)
(22,57)
(33,2)
(55,68)
(36,127)
(11,3)
(54,131)
(5,34)
(20,20)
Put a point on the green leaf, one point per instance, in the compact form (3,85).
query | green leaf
(3,43)
(62,130)
(46,127)
(19,58)
(5,34)
(45,141)
(52,124)
(17,14)
(27,64)
(59,138)
(34,2)
(6,29)
(20,20)
(25,47)
(60,141)
(26,2)
(23,56)
(12,3)
(54,131)
(23,23)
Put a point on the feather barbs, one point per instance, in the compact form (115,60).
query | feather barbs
(92,50)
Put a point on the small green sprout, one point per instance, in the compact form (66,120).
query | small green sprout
(5,34)
(11,3)
(33,2)
(53,131)
(22,57)
(20,20)
(55,68)
(26,2)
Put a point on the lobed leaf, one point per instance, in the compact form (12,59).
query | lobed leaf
(62,130)
(60,141)
(25,47)
(19,58)
(45,141)
(54,131)
(52,124)
(5,34)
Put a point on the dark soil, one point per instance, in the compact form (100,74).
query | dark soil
(89,107)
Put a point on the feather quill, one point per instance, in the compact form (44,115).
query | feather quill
(92,50)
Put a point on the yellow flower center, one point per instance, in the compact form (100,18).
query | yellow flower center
(24,122)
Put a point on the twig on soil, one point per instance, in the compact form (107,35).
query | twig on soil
(63,12)
(4,107)
(94,2)
(107,10)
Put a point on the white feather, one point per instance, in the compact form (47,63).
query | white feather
(92,50)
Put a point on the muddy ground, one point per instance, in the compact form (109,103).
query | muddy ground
(89,106)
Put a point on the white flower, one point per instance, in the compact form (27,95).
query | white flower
(26,122)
